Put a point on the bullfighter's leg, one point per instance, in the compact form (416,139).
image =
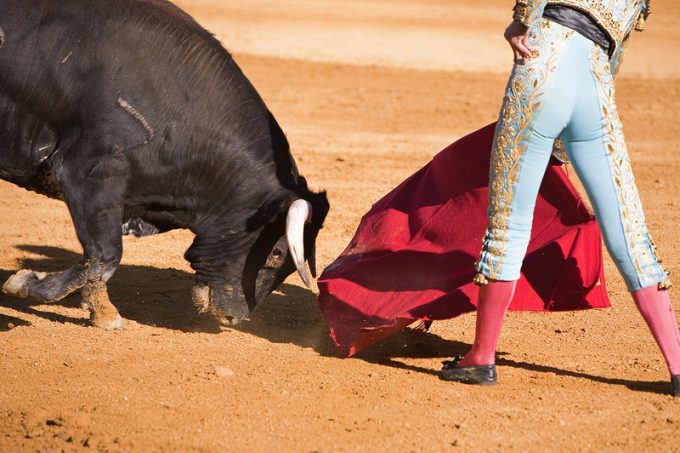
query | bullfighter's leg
(537,106)
(597,149)
(93,190)
(532,116)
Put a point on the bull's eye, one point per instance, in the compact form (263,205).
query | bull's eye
(275,258)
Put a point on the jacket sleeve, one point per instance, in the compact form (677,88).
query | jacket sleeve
(617,58)
(644,14)
(529,12)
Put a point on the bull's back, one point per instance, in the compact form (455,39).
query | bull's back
(58,53)
(141,75)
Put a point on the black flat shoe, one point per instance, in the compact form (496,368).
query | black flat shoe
(675,380)
(477,375)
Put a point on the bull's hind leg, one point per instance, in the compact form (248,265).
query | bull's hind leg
(93,183)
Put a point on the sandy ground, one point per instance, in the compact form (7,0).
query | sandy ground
(367,91)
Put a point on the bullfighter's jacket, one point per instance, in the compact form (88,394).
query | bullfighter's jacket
(616,17)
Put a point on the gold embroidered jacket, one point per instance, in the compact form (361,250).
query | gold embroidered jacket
(616,17)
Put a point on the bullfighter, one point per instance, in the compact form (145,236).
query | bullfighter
(560,99)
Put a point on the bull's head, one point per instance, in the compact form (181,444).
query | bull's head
(283,238)
(283,244)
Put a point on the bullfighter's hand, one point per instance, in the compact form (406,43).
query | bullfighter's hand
(517,35)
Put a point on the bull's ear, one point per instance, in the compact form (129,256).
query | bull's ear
(320,208)
(312,261)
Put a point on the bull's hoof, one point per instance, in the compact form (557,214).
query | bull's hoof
(102,312)
(18,284)
(227,321)
(116,323)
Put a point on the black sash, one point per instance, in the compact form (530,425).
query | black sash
(579,21)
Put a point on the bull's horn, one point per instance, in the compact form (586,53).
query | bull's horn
(298,214)
(312,261)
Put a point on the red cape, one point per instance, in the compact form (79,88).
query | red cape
(412,257)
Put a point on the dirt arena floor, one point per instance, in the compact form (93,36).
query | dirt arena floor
(367,91)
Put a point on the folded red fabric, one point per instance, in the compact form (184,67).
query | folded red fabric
(412,256)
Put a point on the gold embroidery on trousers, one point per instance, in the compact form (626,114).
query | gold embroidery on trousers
(640,245)
(524,96)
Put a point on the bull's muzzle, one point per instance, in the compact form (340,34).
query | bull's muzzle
(226,303)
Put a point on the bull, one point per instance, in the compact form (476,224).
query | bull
(141,122)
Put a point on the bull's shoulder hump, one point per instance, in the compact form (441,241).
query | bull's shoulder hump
(172,11)
(162,26)
(154,12)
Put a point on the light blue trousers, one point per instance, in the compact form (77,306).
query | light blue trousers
(566,92)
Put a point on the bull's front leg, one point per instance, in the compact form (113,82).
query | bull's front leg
(93,191)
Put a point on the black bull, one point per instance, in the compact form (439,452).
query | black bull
(142,122)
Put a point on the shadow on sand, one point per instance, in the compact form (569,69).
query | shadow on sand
(161,298)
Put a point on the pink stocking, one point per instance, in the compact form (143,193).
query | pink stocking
(494,299)
(655,306)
